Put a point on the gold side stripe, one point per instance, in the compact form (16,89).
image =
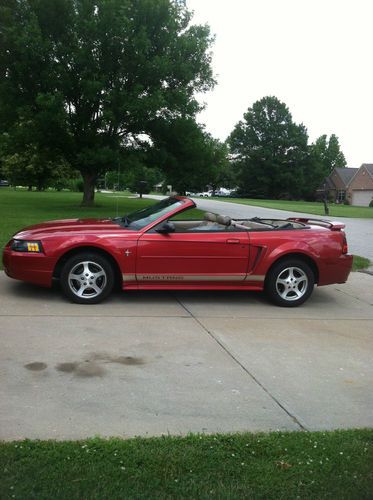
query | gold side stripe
(192,277)
(255,277)
(189,277)
(129,277)
(242,257)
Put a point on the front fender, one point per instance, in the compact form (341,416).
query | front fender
(121,250)
(58,249)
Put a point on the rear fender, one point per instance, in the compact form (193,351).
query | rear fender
(296,249)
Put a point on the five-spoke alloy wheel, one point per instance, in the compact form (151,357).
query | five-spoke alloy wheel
(290,282)
(87,278)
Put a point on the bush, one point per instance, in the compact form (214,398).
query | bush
(76,185)
(371,204)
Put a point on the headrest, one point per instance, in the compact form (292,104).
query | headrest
(210,217)
(224,219)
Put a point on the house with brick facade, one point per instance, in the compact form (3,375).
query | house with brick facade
(338,181)
(352,184)
(360,187)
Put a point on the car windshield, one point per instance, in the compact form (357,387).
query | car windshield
(143,217)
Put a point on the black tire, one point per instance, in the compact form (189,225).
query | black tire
(87,278)
(290,282)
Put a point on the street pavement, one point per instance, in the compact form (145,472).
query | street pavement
(153,363)
(359,231)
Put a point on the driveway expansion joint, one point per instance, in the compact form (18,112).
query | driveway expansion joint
(354,296)
(252,376)
(90,316)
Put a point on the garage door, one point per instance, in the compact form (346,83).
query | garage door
(362,198)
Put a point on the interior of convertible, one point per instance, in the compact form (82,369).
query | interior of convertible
(213,222)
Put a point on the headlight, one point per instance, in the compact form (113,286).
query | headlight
(26,246)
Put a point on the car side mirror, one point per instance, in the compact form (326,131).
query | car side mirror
(166,227)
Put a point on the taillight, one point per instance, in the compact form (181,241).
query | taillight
(344,244)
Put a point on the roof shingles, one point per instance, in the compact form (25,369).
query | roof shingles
(369,167)
(346,174)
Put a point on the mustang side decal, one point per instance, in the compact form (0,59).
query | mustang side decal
(191,277)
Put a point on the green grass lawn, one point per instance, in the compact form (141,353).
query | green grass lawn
(307,207)
(335,465)
(360,263)
(21,208)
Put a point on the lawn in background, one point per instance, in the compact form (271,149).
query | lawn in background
(269,466)
(307,207)
(21,208)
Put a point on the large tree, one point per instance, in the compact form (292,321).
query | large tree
(88,76)
(328,153)
(270,151)
(190,157)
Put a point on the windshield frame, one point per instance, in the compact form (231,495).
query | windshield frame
(176,204)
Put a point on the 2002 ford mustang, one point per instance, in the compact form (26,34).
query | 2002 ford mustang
(149,249)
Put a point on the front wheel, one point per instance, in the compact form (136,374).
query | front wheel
(290,283)
(87,278)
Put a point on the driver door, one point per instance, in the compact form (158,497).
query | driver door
(193,257)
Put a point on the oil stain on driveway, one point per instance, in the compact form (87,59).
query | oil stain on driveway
(151,363)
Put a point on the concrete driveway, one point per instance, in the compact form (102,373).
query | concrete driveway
(151,363)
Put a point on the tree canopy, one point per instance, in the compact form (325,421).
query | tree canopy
(82,80)
(270,151)
(190,158)
(272,156)
(328,153)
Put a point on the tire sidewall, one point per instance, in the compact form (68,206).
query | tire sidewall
(93,257)
(276,270)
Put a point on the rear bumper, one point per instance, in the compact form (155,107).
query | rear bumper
(33,268)
(335,270)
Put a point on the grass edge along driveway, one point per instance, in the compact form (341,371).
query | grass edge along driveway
(274,465)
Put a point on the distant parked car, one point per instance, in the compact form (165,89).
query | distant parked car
(205,194)
(224,192)
(4,183)
(151,250)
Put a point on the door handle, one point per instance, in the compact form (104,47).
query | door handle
(233,241)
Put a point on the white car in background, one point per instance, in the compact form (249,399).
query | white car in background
(205,194)
(222,192)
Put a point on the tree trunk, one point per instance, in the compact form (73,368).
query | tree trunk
(89,181)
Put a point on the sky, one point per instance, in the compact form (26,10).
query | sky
(314,55)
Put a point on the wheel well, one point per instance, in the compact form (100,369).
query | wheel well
(62,260)
(301,256)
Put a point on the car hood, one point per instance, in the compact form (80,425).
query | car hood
(67,226)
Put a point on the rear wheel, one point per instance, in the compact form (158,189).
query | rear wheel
(87,278)
(290,283)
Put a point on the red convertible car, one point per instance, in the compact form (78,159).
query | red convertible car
(151,250)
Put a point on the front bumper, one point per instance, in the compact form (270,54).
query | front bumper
(33,268)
